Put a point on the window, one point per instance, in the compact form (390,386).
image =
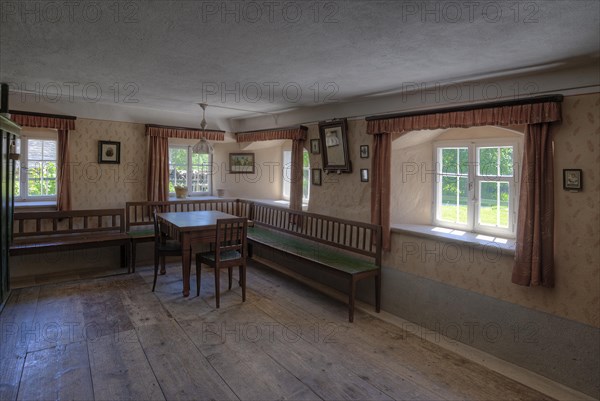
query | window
(287,174)
(190,170)
(36,171)
(475,187)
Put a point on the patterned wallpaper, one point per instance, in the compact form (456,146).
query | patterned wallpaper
(487,271)
(107,185)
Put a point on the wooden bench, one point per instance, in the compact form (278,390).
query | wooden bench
(348,249)
(40,232)
(138,216)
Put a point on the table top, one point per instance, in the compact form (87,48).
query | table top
(193,220)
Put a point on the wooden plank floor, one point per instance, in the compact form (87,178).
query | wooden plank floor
(113,339)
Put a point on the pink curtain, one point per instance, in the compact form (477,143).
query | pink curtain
(184,133)
(157,188)
(297,174)
(63,124)
(294,134)
(63,198)
(381,186)
(534,113)
(534,258)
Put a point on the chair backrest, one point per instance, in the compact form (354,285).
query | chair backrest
(158,234)
(231,236)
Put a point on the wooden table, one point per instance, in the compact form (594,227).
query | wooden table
(191,228)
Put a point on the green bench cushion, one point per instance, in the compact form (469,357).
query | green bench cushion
(311,250)
(141,233)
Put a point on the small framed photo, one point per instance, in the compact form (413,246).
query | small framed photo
(572,180)
(315,175)
(109,152)
(364,151)
(241,163)
(315,147)
(364,175)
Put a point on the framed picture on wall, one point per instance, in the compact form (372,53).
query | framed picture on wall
(315,175)
(315,149)
(364,151)
(241,163)
(572,180)
(109,152)
(364,175)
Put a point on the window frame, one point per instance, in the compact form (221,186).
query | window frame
(474,183)
(189,170)
(23,161)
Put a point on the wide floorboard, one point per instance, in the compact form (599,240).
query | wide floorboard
(113,339)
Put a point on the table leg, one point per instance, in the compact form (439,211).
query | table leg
(186,262)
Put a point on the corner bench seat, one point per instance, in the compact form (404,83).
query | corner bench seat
(349,249)
(66,241)
(311,250)
(40,232)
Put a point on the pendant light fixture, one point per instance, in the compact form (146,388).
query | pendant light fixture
(203,146)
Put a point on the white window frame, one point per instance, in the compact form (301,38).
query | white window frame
(189,171)
(286,176)
(24,170)
(474,181)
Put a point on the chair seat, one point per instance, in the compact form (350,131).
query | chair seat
(225,255)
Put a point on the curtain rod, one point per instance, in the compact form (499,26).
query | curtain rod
(274,129)
(31,113)
(181,128)
(479,106)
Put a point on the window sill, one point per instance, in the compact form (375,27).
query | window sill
(35,204)
(278,202)
(507,246)
(193,197)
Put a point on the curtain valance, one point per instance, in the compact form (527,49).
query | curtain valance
(510,114)
(297,133)
(184,133)
(39,120)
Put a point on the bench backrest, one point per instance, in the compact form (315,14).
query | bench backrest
(140,213)
(29,224)
(354,236)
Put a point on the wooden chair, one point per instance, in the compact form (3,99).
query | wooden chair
(162,247)
(230,251)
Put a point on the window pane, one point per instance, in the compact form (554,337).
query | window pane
(506,161)
(49,150)
(49,178)
(178,176)
(178,156)
(200,178)
(34,149)
(463,163)
(493,204)
(305,184)
(488,161)
(454,199)
(198,159)
(17,178)
(449,161)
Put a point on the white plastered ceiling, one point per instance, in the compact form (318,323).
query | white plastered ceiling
(170,55)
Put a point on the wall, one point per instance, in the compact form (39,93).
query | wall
(97,186)
(343,195)
(265,183)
